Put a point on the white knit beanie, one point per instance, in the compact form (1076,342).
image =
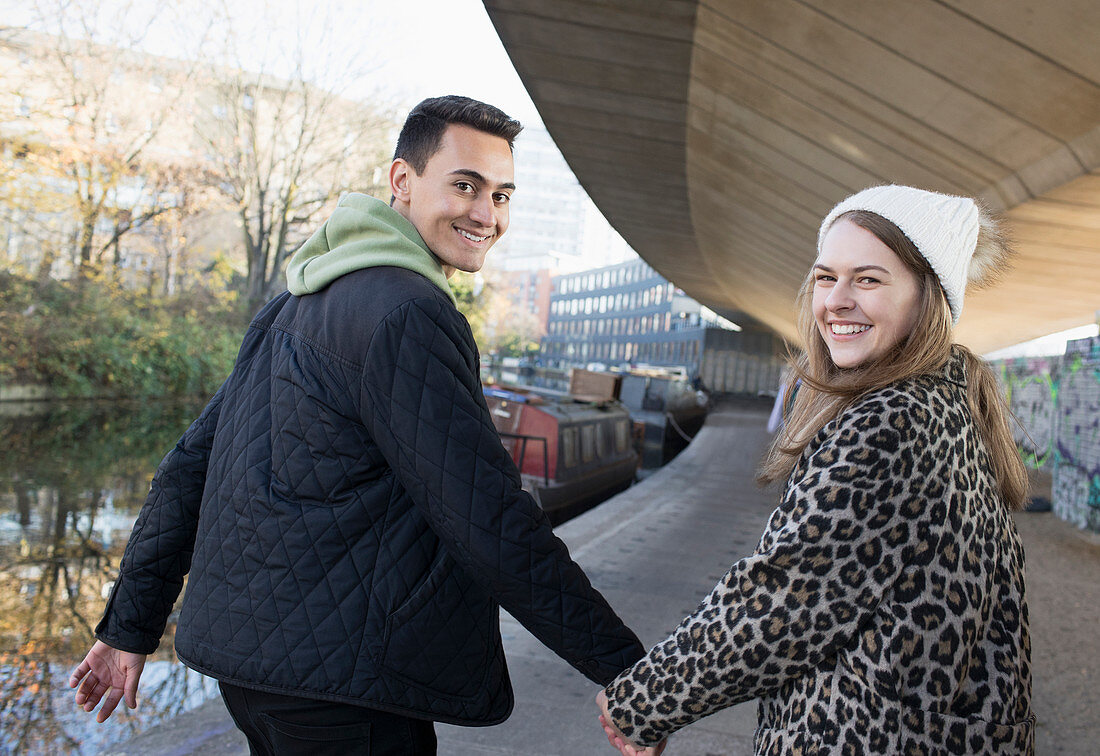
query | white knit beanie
(942,227)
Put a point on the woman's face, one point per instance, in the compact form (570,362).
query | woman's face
(865,298)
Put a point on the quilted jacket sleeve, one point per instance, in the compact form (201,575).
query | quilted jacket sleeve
(861,506)
(422,402)
(158,554)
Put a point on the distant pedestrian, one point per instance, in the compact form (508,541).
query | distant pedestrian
(784,398)
(883,610)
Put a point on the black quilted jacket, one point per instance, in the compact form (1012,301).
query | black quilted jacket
(354,520)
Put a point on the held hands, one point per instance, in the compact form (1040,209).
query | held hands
(103,669)
(617,739)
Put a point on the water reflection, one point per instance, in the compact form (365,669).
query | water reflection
(72,479)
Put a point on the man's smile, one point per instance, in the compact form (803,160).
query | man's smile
(472,237)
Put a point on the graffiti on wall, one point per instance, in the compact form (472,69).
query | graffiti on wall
(1078,469)
(1032,390)
(1056,402)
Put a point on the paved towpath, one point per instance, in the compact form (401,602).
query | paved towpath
(656,549)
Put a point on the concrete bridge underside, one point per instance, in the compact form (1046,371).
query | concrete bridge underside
(715,134)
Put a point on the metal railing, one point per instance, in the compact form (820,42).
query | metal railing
(523,453)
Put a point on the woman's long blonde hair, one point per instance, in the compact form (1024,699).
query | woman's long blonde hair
(827,390)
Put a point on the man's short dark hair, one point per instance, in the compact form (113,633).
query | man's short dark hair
(422,133)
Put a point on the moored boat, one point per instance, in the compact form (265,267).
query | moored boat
(668,409)
(571,454)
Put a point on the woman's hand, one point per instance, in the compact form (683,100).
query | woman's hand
(617,739)
(103,669)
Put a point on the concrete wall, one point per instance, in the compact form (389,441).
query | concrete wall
(1057,402)
(748,362)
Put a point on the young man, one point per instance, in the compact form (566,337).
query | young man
(348,515)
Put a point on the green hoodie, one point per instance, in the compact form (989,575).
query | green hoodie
(362,232)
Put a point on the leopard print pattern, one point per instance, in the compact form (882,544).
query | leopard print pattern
(883,610)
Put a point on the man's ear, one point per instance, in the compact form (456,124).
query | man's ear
(400,171)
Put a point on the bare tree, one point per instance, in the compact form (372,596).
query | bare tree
(101,133)
(508,326)
(287,143)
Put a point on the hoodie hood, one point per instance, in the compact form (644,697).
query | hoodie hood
(362,232)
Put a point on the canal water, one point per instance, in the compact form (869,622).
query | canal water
(72,479)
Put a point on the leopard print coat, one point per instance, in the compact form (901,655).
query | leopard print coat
(883,610)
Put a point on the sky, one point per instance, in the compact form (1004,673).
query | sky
(405,50)
(458,52)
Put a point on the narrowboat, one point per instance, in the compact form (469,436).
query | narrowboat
(667,409)
(571,454)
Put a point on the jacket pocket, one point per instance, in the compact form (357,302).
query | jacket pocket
(880,723)
(931,732)
(775,741)
(441,638)
(290,737)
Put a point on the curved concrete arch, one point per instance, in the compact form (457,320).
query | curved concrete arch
(714,135)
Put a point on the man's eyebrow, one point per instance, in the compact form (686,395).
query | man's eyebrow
(479,178)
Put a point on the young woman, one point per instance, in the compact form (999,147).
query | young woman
(883,610)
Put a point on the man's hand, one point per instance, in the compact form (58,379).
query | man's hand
(617,739)
(103,669)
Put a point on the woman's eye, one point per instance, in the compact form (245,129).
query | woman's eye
(868,280)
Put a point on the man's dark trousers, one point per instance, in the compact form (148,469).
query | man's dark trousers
(278,725)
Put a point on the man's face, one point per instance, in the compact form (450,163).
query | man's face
(459,204)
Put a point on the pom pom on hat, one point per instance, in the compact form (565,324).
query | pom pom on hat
(943,228)
(992,254)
